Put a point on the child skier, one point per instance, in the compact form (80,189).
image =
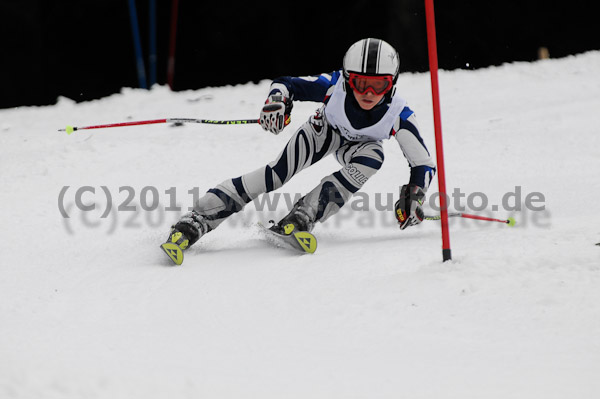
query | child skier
(360,109)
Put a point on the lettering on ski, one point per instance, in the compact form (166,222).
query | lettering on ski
(301,241)
(173,252)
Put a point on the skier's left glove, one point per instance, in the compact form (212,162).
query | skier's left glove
(275,115)
(409,210)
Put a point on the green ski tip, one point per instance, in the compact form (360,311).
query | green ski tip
(69,129)
(511,221)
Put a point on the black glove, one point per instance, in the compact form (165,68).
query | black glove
(275,115)
(409,210)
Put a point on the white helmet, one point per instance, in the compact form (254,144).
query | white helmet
(372,57)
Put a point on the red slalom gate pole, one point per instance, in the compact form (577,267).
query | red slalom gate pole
(437,120)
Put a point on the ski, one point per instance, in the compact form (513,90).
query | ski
(175,245)
(173,251)
(301,241)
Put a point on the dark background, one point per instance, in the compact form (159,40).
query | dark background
(83,49)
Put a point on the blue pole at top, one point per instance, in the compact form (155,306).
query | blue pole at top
(137,44)
(152,41)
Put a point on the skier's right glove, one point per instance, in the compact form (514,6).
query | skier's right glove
(275,115)
(409,210)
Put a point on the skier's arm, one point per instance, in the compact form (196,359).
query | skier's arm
(406,133)
(308,88)
(408,208)
(275,114)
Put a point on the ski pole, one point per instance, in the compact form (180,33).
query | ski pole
(71,129)
(510,221)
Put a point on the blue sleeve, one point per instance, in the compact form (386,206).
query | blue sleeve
(422,175)
(309,88)
(422,166)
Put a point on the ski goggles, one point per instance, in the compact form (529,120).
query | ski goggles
(375,84)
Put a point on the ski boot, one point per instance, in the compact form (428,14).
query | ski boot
(183,234)
(293,231)
(299,219)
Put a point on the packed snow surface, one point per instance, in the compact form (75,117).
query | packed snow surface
(90,307)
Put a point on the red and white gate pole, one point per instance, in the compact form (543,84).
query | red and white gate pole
(437,120)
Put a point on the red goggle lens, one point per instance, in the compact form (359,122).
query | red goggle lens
(376,84)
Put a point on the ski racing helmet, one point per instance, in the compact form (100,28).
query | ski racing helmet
(371,65)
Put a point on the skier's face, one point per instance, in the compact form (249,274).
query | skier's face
(368,100)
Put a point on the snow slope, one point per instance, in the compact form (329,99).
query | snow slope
(91,308)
